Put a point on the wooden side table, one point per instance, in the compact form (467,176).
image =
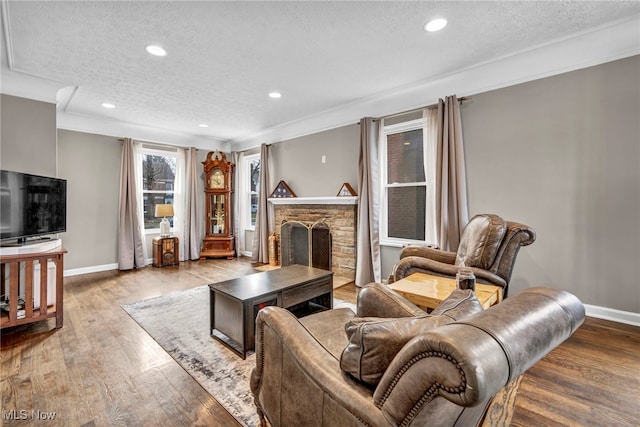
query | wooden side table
(165,251)
(429,291)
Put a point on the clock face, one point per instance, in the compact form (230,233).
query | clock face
(217,179)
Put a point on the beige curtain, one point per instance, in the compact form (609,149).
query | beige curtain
(368,266)
(238,184)
(131,241)
(193,212)
(264,216)
(429,152)
(452,212)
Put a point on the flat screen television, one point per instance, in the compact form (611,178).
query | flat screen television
(31,206)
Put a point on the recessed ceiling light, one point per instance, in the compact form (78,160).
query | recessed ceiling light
(156,50)
(275,95)
(435,25)
(203,125)
(108,105)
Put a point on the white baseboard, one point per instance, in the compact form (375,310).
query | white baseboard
(612,314)
(605,313)
(92,269)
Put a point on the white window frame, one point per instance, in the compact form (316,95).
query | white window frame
(385,240)
(246,208)
(155,152)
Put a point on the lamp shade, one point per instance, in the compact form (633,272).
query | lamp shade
(164,210)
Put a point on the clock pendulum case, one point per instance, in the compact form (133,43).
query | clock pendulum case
(218,196)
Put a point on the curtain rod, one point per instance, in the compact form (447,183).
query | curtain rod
(157,144)
(148,142)
(414,110)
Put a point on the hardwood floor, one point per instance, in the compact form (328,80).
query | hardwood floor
(102,369)
(592,379)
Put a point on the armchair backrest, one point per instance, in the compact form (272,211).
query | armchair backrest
(480,241)
(491,243)
(489,246)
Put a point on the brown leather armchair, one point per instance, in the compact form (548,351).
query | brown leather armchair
(446,376)
(488,246)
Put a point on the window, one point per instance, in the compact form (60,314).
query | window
(158,183)
(404,185)
(252,170)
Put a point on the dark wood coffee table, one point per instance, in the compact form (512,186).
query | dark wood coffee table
(235,303)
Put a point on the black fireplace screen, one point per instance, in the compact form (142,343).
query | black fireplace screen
(305,244)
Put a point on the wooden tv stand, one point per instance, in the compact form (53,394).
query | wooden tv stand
(10,280)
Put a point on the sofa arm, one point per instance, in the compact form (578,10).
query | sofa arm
(295,377)
(409,265)
(526,234)
(452,362)
(469,361)
(428,252)
(403,269)
(377,300)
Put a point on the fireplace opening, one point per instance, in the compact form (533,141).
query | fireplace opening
(305,244)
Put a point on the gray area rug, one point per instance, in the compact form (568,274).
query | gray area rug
(179,322)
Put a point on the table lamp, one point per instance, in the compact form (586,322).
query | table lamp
(164,211)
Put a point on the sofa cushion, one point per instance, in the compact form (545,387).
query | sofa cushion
(480,241)
(327,327)
(374,341)
(460,304)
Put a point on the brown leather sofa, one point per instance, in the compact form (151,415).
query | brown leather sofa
(443,376)
(488,246)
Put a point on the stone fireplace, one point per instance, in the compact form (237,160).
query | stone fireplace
(327,224)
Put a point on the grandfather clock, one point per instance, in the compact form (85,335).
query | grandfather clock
(218,195)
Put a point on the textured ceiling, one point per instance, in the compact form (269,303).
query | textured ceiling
(225,57)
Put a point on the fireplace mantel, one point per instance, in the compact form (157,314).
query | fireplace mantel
(342,200)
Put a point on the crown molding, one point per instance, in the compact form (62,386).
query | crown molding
(616,40)
(610,42)
(27,86)
(109,127)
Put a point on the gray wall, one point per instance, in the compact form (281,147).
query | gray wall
(298,162)
(91,165)
(562,155)
(27,136)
